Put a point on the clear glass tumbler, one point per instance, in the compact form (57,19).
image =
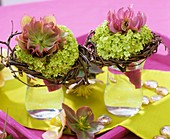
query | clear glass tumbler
(40,103)
(123,93)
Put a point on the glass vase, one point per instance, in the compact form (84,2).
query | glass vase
(123,92)
(40,102)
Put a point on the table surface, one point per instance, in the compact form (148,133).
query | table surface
(82,16)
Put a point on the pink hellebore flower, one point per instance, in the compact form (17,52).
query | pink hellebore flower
(40,37)
(124,20)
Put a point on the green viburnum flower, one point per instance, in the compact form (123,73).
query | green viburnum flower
(82,122)
(46,47)
(120,45)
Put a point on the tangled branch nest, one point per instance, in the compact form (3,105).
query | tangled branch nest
(147,51)
(82,65)
(88,64)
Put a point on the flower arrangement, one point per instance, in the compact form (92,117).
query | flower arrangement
(122,39)
(46,47)
(50,52)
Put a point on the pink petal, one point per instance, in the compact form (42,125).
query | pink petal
(144,18)
(134,77)
(134,21)
(111,27)
(129,13)
(141,19)
(118,24)
(120,13)
(109,16)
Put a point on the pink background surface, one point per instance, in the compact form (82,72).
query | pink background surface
(81,16)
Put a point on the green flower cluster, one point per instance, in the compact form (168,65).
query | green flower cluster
(120,46)
(56,64)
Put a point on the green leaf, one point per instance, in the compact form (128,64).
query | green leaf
(94,69)
(81,73)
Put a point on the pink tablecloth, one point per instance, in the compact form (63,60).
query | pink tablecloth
(83,16)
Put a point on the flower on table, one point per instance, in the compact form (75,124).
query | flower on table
(82,122)
(58,124)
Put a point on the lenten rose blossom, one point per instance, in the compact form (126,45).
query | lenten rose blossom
(82,122)
(123,20)
(40,37)
(58,124)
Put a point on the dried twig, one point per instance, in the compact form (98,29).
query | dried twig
(148,50)
(87,55)
(69,78)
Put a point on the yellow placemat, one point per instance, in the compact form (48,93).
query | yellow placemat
(12,97)
(146,124)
